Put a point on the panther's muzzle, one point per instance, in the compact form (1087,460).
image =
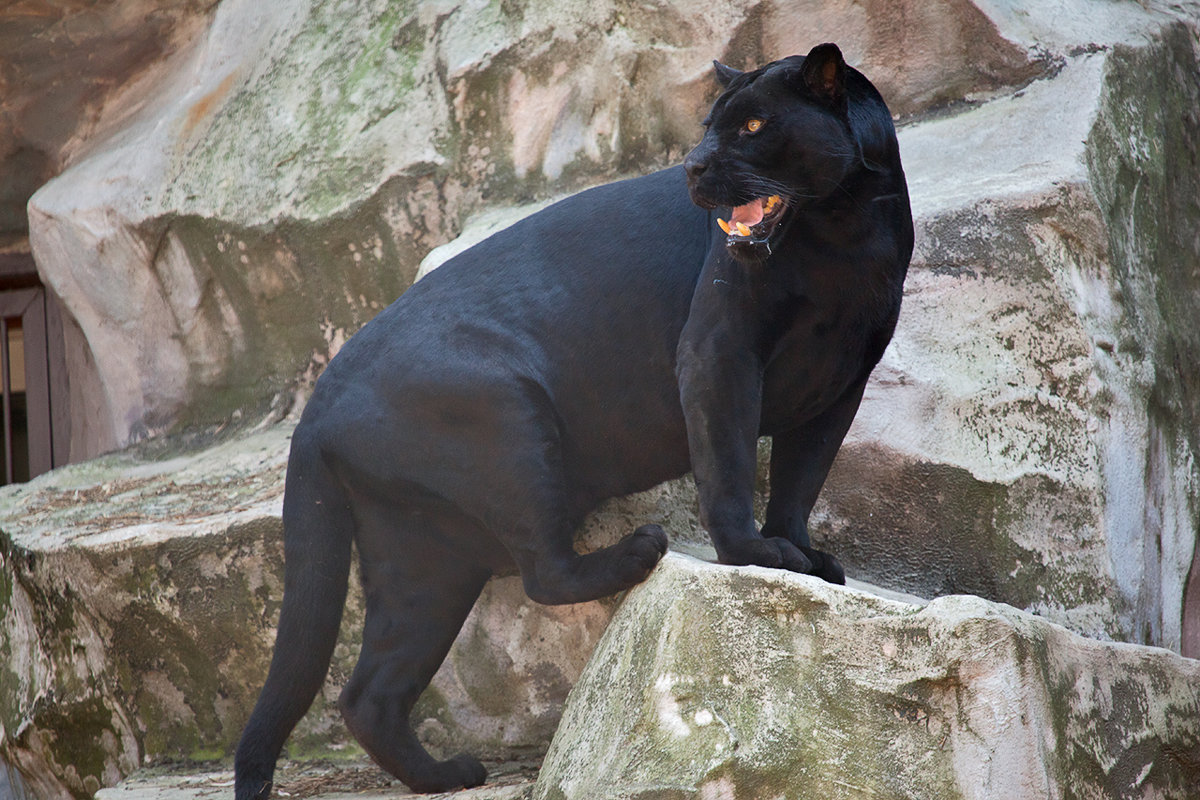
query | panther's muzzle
(750,225)
(753,222)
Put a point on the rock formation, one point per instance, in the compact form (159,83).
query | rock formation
(719,682)
(239,186)
(1031,435)
(267,188)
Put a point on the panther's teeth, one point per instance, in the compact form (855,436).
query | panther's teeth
(743,229)
(723,224)
(772,201)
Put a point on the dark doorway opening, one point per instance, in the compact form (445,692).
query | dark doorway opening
(34,426)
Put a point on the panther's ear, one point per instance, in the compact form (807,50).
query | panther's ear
(824,73)
(725,75)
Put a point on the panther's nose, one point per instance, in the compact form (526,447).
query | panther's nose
(694,167)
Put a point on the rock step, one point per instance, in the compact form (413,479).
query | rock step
(138,598)
(317,779)
(739,682)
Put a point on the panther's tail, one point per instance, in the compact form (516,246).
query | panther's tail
(318,531)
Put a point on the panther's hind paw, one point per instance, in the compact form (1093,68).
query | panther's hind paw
(461,772)
(245,790)
(643,549)
(473,773)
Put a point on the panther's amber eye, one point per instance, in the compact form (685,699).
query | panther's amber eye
(752,125)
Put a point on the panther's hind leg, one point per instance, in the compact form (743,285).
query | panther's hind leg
(492,450)
(418,594)
(553,573)
(537,523)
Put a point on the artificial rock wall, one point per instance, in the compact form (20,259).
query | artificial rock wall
(278,175)
(268,176)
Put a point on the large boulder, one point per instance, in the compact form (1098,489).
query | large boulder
(278,181)
(134,604)
(1031,434)
(722,682)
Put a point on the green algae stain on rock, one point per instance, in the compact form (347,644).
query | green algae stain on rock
(190,669)
(1138,149)
(85,743)
(323,121)
(171,683)
(276,303)
(21,655)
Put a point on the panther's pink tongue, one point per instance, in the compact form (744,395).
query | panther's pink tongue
(750,214)
(746,217)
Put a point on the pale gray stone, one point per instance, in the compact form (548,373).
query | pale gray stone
(742,682)
(278,180)
(275,173)
(1030,434)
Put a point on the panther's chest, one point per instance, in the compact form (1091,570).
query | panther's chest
(817,344)
(811,366)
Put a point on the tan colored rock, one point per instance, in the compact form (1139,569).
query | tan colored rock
(138,598)
(278,181)
(742,682)
(68,72)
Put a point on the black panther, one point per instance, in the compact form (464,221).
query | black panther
(616,339)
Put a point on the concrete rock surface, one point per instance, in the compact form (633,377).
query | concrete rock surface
(745,683)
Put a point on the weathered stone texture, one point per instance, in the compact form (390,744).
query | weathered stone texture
(135,612)
(745,683)
(1029,435)
(276,173)
(282,180)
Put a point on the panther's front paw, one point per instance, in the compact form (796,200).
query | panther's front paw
(642,550)
(825,566)
(776,552)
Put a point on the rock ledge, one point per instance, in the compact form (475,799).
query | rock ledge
(719,682)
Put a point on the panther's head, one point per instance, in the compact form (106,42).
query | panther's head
(777,138)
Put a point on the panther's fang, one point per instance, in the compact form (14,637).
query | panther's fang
(723,225)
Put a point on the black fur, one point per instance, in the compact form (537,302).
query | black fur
(612,341)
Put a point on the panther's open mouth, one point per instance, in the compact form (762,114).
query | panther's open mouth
(753,222)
